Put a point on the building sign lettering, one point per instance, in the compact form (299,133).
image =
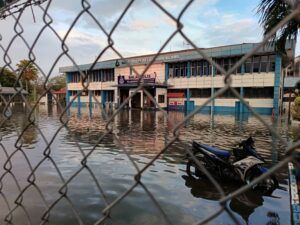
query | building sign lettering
(133,79)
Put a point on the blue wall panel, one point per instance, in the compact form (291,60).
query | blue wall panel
(166,71)
(277,84)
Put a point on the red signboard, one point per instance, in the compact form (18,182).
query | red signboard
(175,95)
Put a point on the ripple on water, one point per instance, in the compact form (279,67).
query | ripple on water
(143,137)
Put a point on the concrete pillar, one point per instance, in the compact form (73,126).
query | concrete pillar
(78,104)
(242,89)
(129,103)
(241,104)
(212,104)
(189,69)
(166,72)
(276,98)
(141,119)
(91,103)
(142,99)
(188,94)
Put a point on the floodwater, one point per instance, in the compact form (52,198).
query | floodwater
(138,136)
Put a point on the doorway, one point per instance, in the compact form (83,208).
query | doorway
(136,101)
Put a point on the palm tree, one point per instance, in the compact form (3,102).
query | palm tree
(271,12)
(28,72)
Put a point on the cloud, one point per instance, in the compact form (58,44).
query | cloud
(143,29)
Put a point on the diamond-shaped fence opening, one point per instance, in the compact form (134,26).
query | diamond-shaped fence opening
(104,163)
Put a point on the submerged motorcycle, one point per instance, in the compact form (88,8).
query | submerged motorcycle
(243,164)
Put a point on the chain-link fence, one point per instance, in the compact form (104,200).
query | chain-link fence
(18,206)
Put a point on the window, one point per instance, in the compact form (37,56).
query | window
(256,62)
(205,68)
(110,96)
(200,93)
(228,93)
(97,93)
(226,64)
(161,98)
(171,71)
(232,62)
(193,69)
(271,63)
(248,65)
(199,68)
(183,69)
(74,77)
(264,63)
(178,69)
(266,92)
(73,93)
(219,61)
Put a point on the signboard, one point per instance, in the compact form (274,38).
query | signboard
(147,79)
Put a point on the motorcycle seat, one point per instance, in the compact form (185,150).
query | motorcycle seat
(214,150)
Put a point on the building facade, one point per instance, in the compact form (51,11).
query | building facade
(183,80)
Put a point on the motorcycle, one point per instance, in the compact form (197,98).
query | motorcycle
(242,164)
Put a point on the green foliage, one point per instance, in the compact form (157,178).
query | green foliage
(297,101)
(271,12)
(28,72)
(58,82)
(296,109)
(7,77)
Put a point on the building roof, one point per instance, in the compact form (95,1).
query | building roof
(60,91)
(11,90)
(182,55)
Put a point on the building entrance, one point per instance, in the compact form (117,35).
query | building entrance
(136,101)
(124,93)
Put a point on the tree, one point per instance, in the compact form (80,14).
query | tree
(58,82)
(271,13)
(296,109)
(28,72)
(7,77)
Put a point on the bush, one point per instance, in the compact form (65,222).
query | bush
(297,101)
(296,109)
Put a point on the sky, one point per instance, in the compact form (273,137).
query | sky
(143,30)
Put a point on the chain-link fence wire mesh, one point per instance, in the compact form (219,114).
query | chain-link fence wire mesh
(18,149)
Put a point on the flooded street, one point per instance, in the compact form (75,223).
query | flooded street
(142,135)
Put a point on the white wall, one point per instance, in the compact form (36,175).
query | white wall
(103,85)
(177,101)
(246,80)
(158,68)
(161,91)
(93,86)
(142,97)
(261,102)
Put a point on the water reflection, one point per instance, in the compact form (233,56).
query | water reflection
(143,134)
(244,205)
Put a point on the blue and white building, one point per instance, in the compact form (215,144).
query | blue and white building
(183,80)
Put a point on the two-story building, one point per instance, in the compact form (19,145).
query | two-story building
(183,80)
